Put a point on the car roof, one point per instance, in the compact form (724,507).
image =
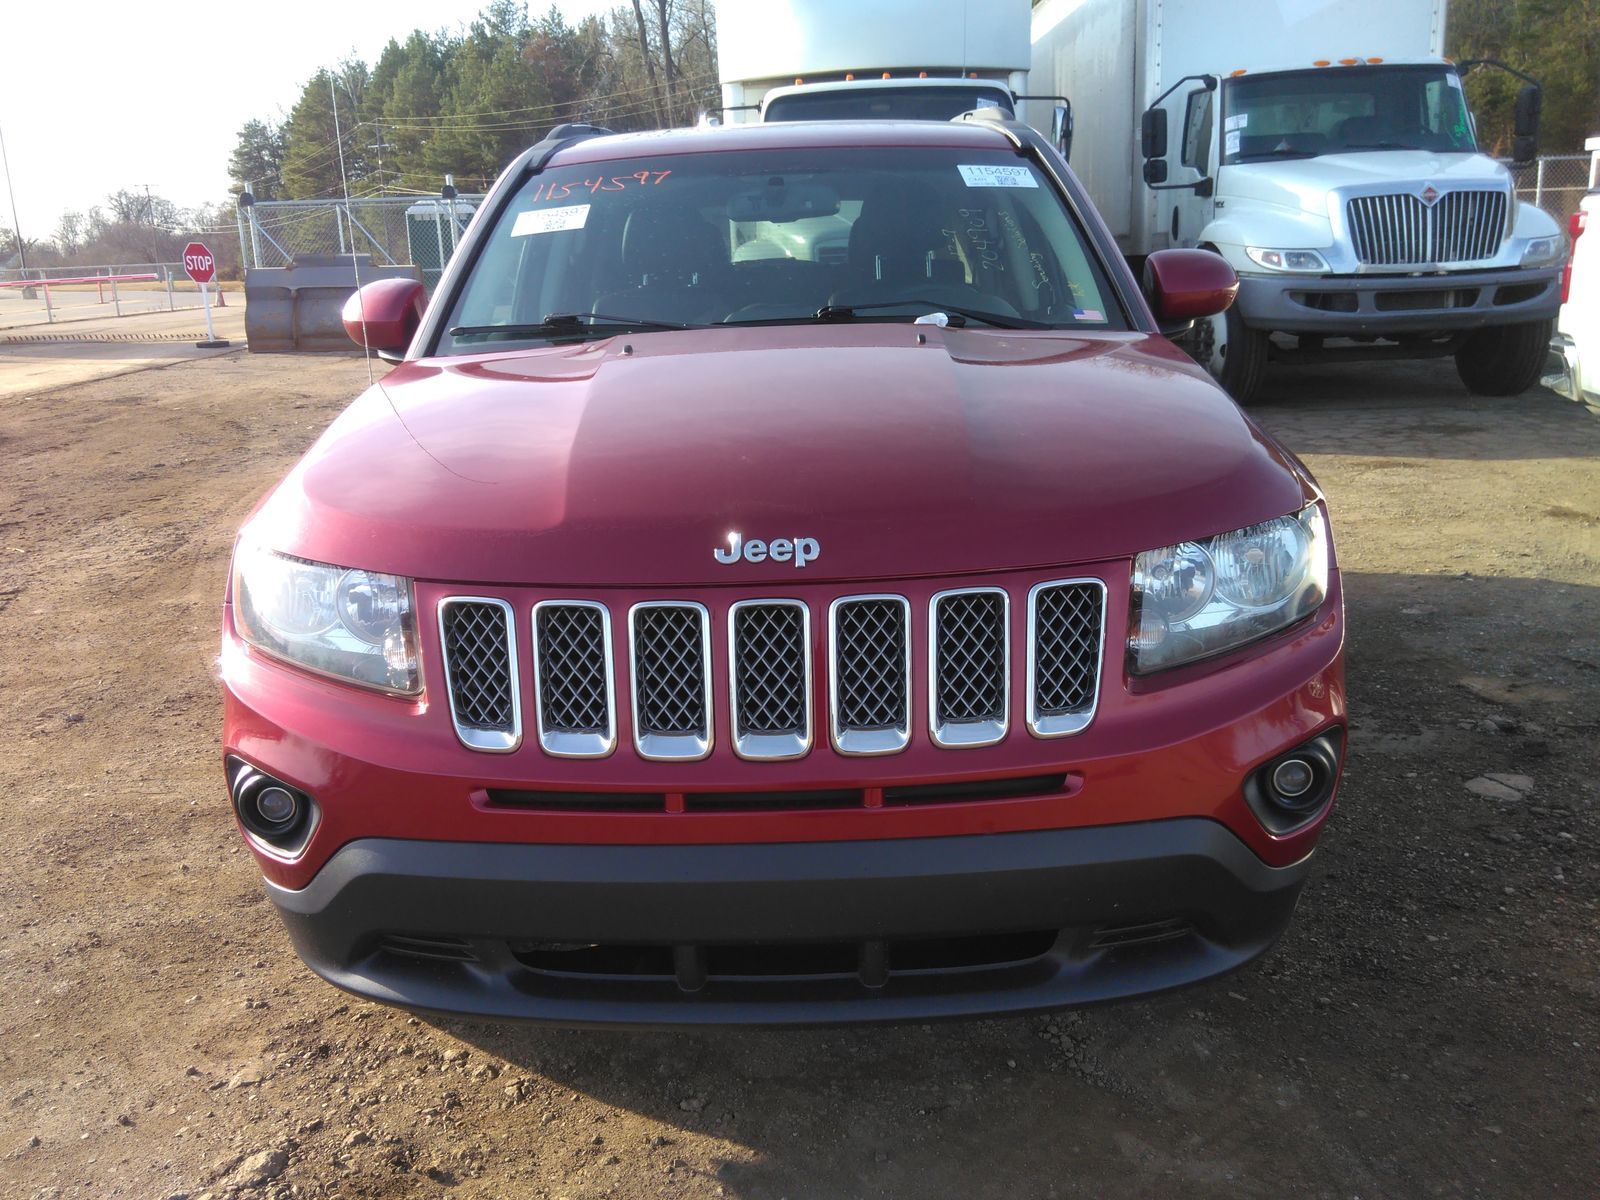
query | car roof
(976,135)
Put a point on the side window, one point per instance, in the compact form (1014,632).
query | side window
(1197,130)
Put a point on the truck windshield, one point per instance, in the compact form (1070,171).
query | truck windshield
(885,103)
(1339,110)
(781,236)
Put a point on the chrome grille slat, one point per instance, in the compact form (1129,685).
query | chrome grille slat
(869,639)
(670,669)
(1396,229)
(769,660)
(969,656)
(573,683)
(478,636)
(1066,642)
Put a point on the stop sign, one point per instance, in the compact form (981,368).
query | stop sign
(198,263)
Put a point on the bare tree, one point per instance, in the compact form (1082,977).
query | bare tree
(650,65)
(670,70)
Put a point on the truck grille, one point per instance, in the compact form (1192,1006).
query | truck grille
(970,648)
(770,682)
(770,653)
(572,679)
(479,640)
(1400,230)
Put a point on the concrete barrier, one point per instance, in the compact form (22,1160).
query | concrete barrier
(296,309)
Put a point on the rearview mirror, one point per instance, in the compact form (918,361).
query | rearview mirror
(1153,133)
(780,201)
(1183,285)
(383,316)
(1525,127)
(1155,170)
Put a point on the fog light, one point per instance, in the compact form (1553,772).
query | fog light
(278,807)
(1293,778)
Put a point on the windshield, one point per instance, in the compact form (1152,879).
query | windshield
(743,237)
(1336,110)
(885,104)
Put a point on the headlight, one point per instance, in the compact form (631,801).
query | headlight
(1196,599)
(1287,260)
(354,625)
(1543,251)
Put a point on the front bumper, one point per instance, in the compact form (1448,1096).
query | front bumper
(1563,373)
(1384,305)
(789,933)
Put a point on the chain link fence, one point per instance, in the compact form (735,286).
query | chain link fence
(421,231)
(44,295)
(1556,182)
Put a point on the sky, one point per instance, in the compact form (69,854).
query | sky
(155,94)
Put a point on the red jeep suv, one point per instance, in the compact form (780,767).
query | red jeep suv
(788,577)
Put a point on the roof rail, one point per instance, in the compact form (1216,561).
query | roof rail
(1004,121)
(534,158)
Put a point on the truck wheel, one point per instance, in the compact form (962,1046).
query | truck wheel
(1504,360)
(1235,355)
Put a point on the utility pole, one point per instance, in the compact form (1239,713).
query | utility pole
(16,227)
(380,146)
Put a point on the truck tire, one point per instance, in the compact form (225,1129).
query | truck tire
(1235,355)
(1504,360)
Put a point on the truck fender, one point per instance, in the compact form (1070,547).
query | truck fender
(1285,230)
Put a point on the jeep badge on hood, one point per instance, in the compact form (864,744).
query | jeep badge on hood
(799,551)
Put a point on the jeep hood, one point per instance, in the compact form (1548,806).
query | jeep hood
(627,461)
(1305,183)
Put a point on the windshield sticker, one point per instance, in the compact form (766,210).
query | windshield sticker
(1232,146)
(1453,80)
(550,220)
(1088,314)
(1237,121)
(551,190)
(993,175)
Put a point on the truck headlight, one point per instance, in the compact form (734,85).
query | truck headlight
(1541,252)
(353,625)
(1196,599)
(1287,260)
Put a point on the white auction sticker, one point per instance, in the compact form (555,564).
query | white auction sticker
(1230,144)
(550,220)
(994,175)
(1237,121)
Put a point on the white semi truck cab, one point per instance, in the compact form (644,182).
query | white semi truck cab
(1349,191)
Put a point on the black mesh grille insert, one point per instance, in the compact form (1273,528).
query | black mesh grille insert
(970,654)
(670,666)
(477,656)
(871,652)
(770,667)
(1066,648)
(572,669)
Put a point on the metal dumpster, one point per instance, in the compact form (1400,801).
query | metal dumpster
(295,309)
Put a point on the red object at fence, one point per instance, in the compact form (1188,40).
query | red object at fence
(198,263)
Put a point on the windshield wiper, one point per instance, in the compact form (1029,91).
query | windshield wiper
(1377,146)
(560,323)
(958,316)
(1276,152)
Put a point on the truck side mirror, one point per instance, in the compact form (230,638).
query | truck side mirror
(1155,170)
(1061,130)
(1153,134)
(1525,143)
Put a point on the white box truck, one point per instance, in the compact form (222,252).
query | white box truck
(1326,150)
(818,60)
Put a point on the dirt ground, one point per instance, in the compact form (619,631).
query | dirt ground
(1429,1025)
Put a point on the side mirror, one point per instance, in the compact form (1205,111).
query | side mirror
(383,316)
(1061,130)
(1153,133)
(1525,127)
(1155,170)
(1182,285)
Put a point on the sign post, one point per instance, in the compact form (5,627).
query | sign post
(201,266)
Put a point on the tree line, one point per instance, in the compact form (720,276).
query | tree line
(465,103)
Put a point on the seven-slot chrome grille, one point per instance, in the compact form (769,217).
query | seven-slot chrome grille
(769,695)
(1400,230)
